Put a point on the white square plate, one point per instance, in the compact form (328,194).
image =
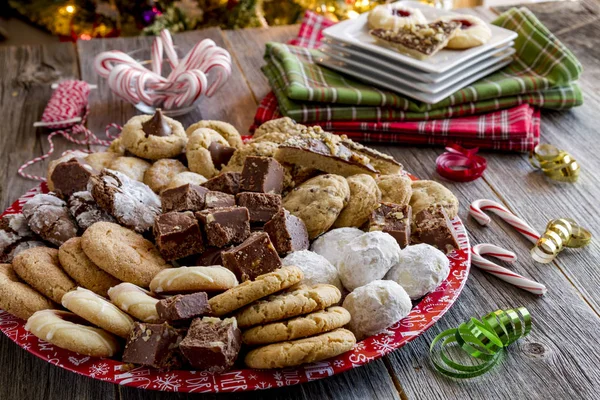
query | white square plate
(356,33)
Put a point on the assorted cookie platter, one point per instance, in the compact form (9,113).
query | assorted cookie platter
(192,260)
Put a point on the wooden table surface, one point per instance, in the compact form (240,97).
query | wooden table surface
(560,358)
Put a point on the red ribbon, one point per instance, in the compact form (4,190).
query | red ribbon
(460,164)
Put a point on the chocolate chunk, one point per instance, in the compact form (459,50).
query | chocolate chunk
(220,154)
(210,256)
(393,219)
(49,217)
(70,176)
(219,200)
(226,182)
(178,235)
(157,125)
(153,345)
(261,206)
(435,228)
(212,344)
(262,174)
(188,197)
(223,226)
(181,307)
(86,211)
(254,257)
(287,232)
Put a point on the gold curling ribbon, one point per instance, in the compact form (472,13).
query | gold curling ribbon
(555,164)
(560,233)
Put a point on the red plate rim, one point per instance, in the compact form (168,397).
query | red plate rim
(423,315)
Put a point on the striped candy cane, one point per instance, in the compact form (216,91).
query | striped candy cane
(478,207)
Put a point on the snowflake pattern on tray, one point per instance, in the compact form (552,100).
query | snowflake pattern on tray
(423,315)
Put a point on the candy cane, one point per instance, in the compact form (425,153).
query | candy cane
(500,272)
(169,48)
(157,55)
(478,206)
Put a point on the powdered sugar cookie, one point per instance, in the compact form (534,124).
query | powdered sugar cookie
(315,267)
(332,245)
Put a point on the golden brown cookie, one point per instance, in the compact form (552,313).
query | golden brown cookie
(364,198)
(135,301)
(383,163)
(82,270)
(68,331)
(282,125)
(133,167)
(274,137)
(289,304)
(124,254)
(193,279)
(227,131)
(117,147)
(318,202)
(430,193)
(395,189)
(183,178)
(151,143)
(260,149)
(17,297)
(301,351)
(40,268)
(101,160)
(198,153)
(161,172)
(250,291)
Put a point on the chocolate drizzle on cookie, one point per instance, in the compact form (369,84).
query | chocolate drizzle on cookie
(157,125)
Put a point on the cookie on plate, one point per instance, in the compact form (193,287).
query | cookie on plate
(283,125)
(49,217)
(364,198)
(207,151)
(18,298)
(133,167)
(213,278)
(426,194)
(227,131)
(473,31)
(395,189)
(161,172)
(135,301)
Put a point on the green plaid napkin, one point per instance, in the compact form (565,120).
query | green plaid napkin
(543,74)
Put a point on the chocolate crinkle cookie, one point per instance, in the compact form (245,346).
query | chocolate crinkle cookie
(86,211)
(48,216)
(15,236)
(132,203)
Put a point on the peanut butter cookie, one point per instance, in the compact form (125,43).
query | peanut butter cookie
(205,152)
(364,198)
(133,167)
(227,131)
(17,297)
(161,172)
(282,125)
(430,193)
(395,189)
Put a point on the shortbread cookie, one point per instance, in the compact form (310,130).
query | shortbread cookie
(49,217)
(184,178)
(98,311)
(318,202)
(251,291)
(101,160)
(395,189)
(82,270)
(122,253)
(135,301)
(261,149)
(198,151)
(161,172)
(364,198)
(194,279)
(332,245)
(283,125)
(40,268)
(132,203)
(307,325)
(227,131)
(133,167)
(315,267)
(301,351)
(426,194)
(394,17)
(86,211)
(18,298)
(473,31)
(383,163)
(289,304)
(68,331)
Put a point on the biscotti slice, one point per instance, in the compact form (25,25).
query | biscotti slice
(383,163)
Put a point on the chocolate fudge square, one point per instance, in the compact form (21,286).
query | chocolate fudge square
(393,219)
(178,235)
(287,232)
(70,176)
(216,199)
(182,307)
(226,182)
(153,345)
(261,206)
(186,197)
(223,226)
(262,174)
(210,256)
(212,344)
(256,256)
(435,228)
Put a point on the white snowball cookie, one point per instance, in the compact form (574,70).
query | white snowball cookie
(420,270)
(315,267)
(332,244)
(394,17)
(368,258)
(375,307)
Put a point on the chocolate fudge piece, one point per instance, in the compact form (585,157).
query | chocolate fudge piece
(223,226)
(178,235)
(210,256)
(435,228)
(157,125)
(219,199)
(70,176)
(188,197)
(183,306)
(261,206)
(212,344)
(226,182)
(256,256)
(153,345)
(220,154)
(393,219)
(262,174)
(287,232)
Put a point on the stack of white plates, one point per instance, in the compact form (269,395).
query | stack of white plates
(349,49)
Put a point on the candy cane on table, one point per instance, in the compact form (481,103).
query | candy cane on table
(478,207)
(157,55)
(500,272)
(169,48)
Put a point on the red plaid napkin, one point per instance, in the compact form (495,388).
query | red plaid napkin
(514,129)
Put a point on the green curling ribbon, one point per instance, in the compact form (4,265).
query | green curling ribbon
(483,341)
